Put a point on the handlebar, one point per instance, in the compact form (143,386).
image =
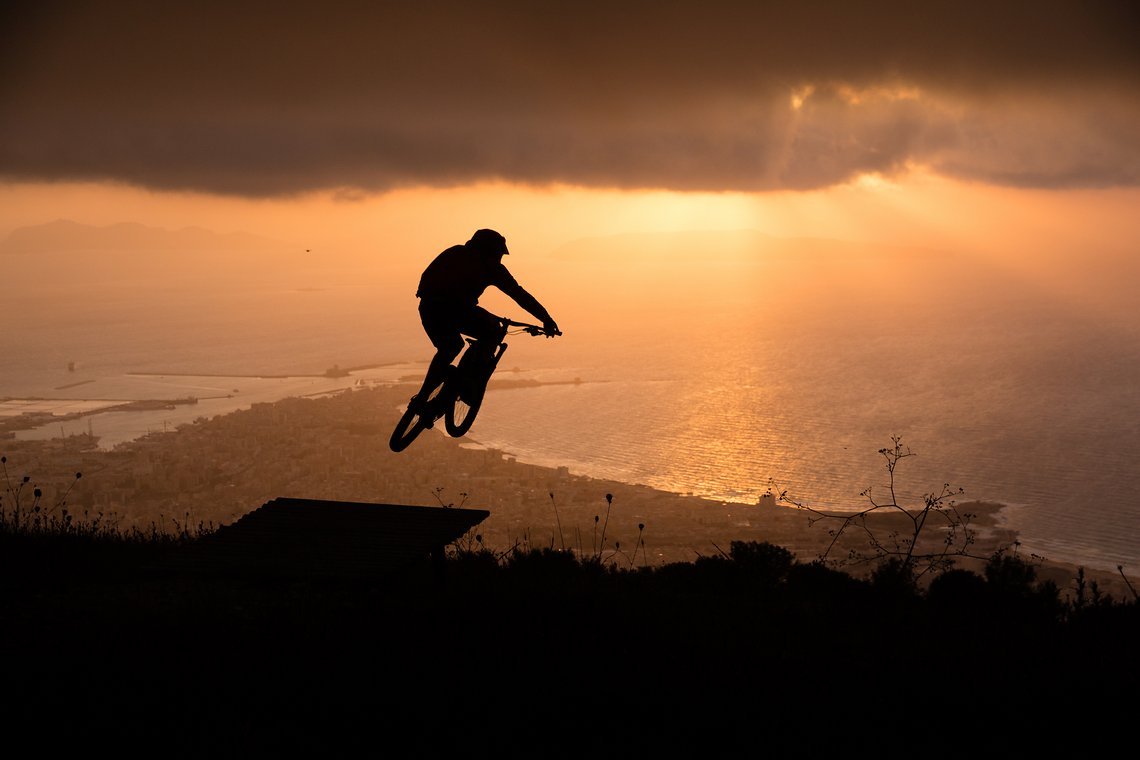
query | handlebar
(530,329)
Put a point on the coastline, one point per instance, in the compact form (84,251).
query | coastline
(334,445)
(122,408)
(31,413)
(334,371)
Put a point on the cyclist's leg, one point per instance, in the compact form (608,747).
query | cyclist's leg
(437,368)
(483,326)
(441,327)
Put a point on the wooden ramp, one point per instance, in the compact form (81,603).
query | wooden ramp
(312,538)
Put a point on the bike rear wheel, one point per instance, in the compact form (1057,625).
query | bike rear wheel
(460,416)
(411,424)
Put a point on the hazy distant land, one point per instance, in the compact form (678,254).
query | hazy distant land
(65,235)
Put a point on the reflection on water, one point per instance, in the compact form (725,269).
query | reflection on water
(792,363)
(1031,410)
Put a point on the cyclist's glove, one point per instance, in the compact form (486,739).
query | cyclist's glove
(551,327)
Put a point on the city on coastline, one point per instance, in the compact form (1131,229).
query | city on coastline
(210,473)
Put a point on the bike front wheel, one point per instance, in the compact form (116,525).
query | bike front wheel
(473,372)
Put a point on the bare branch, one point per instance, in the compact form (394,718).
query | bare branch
(908,547)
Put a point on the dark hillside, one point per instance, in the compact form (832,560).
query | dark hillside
(541,653)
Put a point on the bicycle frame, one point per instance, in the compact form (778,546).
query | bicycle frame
(460,396)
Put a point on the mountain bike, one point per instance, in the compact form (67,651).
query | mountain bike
(459,397)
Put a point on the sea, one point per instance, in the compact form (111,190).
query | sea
(694,374)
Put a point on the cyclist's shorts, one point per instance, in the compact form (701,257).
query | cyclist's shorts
(445,323)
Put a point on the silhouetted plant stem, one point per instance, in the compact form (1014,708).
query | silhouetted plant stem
(640,543)
(609,504)
(558,519)
(1128,583)
(437,492)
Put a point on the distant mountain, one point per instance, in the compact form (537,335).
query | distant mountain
(66,235)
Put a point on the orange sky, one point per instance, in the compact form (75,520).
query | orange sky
(392,130)
(915,209)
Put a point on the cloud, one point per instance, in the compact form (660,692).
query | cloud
(271,99)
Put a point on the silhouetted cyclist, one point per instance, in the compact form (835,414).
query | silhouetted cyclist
(449,301)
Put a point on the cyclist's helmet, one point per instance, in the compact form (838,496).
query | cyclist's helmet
(488,241)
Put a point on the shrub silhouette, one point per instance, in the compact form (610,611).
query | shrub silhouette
(957,590)
(761,561)
(898,556)
(557,649)
(557,644)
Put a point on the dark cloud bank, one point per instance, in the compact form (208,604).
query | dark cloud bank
(270,99)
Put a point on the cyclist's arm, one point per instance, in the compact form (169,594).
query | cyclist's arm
(524,299)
